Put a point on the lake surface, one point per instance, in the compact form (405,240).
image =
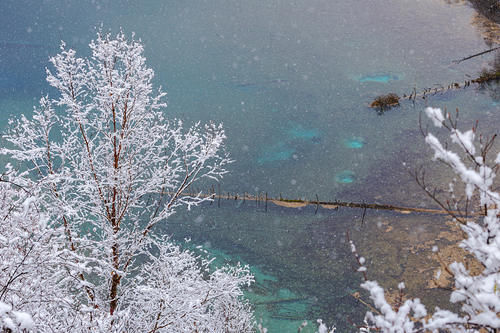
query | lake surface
(291,81)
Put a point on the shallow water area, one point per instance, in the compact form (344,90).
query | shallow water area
(345,177)
(291,81)
(355,142)
(379,78)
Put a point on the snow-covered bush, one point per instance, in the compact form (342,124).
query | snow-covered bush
(478,294)
(101,167)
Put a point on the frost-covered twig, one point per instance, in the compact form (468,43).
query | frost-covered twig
(360,260)
(14,321)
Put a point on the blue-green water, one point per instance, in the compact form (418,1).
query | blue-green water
(345,177)
(355,142)
(291,81)
(378,78)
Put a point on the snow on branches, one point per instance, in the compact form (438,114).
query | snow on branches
(14,321)
(104,168)
(479,295)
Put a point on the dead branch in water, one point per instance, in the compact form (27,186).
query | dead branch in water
(476,55)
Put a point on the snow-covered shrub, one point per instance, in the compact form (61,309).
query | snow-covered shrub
(478,294)
(101,167)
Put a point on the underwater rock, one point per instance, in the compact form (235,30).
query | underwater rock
(345,177)
(354,142)
(316,139)
(379,78)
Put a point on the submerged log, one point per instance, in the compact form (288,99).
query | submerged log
(335,205)
(282,301)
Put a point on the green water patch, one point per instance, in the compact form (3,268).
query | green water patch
(354,142)
(379,78)
(297,131)
(345,177)
(280,151)
(298,259)
(292,136)
(276,308)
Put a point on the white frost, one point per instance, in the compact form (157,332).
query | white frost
(436,116)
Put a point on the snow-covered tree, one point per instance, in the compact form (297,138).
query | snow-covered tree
(478,294)
(22,232)
(104,167)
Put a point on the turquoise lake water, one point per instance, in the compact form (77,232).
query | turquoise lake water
(291,81)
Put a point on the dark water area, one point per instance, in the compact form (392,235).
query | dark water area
(291,81)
